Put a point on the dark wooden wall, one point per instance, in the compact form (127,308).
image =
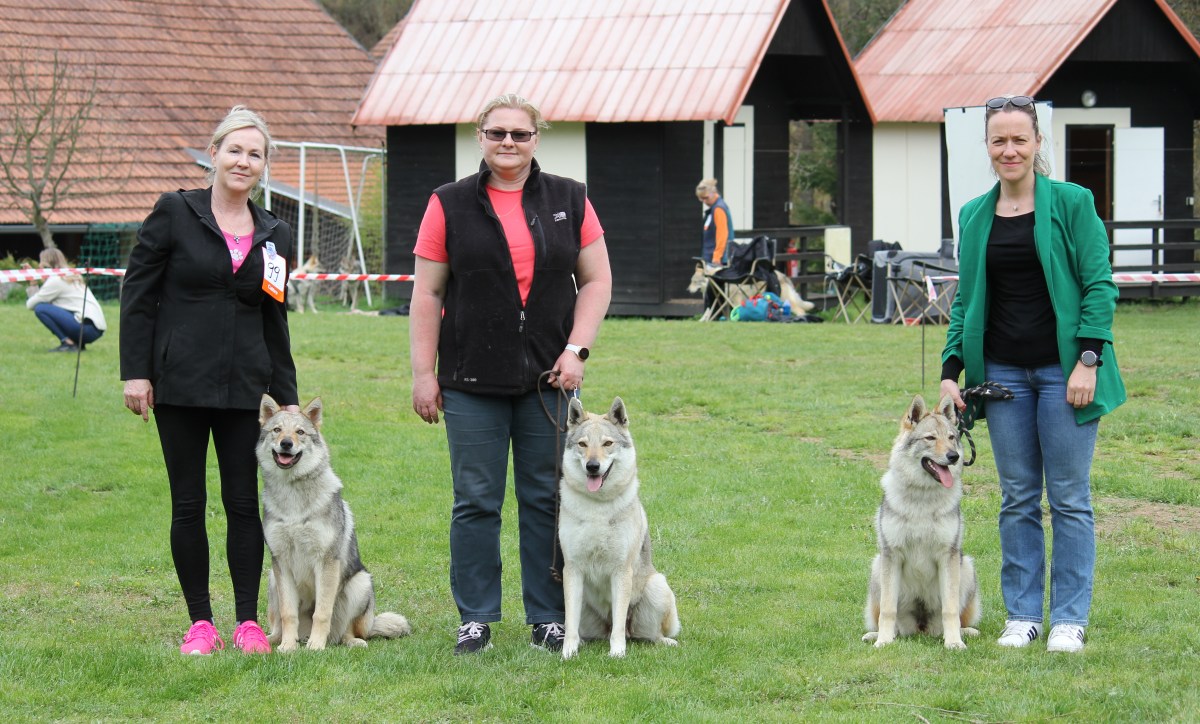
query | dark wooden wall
(641,181)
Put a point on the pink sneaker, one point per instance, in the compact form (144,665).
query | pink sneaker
(201,639)
(249,637)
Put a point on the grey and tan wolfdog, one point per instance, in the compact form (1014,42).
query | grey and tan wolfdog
(920,581)
(318,588)
(610,586)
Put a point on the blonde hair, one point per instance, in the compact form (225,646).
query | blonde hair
(516,102)
(53,258)
(706,185)
(240,117)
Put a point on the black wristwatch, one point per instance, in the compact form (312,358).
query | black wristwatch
(580,352)
(1089,358)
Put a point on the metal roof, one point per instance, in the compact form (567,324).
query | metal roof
(599,60)
(937,54)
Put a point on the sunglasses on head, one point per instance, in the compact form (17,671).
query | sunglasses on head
(1016,102)
(496,134)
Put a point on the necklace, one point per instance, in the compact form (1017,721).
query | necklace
(238,240)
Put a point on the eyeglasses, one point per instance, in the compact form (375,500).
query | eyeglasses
(1016,102)
(497,134)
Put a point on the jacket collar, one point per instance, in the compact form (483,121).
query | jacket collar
(200,201)
(532,184)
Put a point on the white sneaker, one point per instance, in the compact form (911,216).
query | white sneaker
(1065,637)
(1018,634)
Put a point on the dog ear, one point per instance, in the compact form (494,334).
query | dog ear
(313,412)
(945,408)
(266,409)
(575,413)
(617,413)
(915,412)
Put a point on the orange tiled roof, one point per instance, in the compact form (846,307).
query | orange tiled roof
(937,54)
(169,70)
(601,60)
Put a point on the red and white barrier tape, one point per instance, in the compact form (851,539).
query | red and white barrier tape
(321,277)
(29,275)
(1156,278)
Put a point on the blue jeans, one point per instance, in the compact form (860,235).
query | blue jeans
(62,323)
(479,429)
(1034,439)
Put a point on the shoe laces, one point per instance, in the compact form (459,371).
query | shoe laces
(1018,628)
(203,630)
(249,636)
(471,630)
(552,629)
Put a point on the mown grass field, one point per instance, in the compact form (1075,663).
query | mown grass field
(761,448)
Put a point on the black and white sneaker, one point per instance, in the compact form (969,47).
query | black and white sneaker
(548,636)
(1019,634)
(1065,637)
(473,637)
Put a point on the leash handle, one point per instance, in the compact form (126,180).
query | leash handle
(986,391)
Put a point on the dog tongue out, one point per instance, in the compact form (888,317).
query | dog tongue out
(594,482)
(942,472)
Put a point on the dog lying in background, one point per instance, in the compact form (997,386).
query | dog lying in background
(318,588)
(738,292)
(920,581)
(610,585)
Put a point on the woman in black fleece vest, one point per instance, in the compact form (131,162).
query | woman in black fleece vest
(512,280)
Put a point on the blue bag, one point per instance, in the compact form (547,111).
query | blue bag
(759,308)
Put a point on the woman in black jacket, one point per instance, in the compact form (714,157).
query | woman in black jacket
(203,335)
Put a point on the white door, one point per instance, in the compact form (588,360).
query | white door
(1137,190)
(737,188)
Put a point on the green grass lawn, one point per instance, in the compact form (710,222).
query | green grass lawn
(761,448)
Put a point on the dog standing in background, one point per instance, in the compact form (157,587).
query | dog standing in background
(610,586)
(920,581)
(318,588)
(303,292)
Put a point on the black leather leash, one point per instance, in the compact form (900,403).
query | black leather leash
(986,391)
(555,573)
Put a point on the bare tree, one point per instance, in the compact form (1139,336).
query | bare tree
(51,102)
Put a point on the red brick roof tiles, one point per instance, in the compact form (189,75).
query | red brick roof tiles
(169,71)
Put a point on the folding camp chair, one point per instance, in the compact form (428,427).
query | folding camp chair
(751,271)
(852,285)
(924,292)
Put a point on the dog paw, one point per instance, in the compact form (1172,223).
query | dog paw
(669,642)
(616,653)
(569,649)
(286,646)
(970,631)
(956,646)
(870,636)
(881,642)
(355,642)
(316,645)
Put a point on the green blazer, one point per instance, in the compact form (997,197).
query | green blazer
(1072,246)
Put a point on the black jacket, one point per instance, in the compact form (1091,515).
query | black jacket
(489,342)
(204,336)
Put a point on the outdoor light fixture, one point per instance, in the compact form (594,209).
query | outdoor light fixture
(1088,98)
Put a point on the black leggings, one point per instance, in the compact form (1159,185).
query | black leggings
(184,433)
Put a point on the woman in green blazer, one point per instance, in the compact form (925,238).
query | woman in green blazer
(1034,312)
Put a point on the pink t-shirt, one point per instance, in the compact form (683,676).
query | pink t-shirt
(239,246)
(431,238)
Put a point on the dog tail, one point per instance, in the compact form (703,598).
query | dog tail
(389,626)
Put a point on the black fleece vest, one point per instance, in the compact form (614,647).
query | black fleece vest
(490,343)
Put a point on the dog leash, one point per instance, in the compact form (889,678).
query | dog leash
(986,391)
(555,573)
